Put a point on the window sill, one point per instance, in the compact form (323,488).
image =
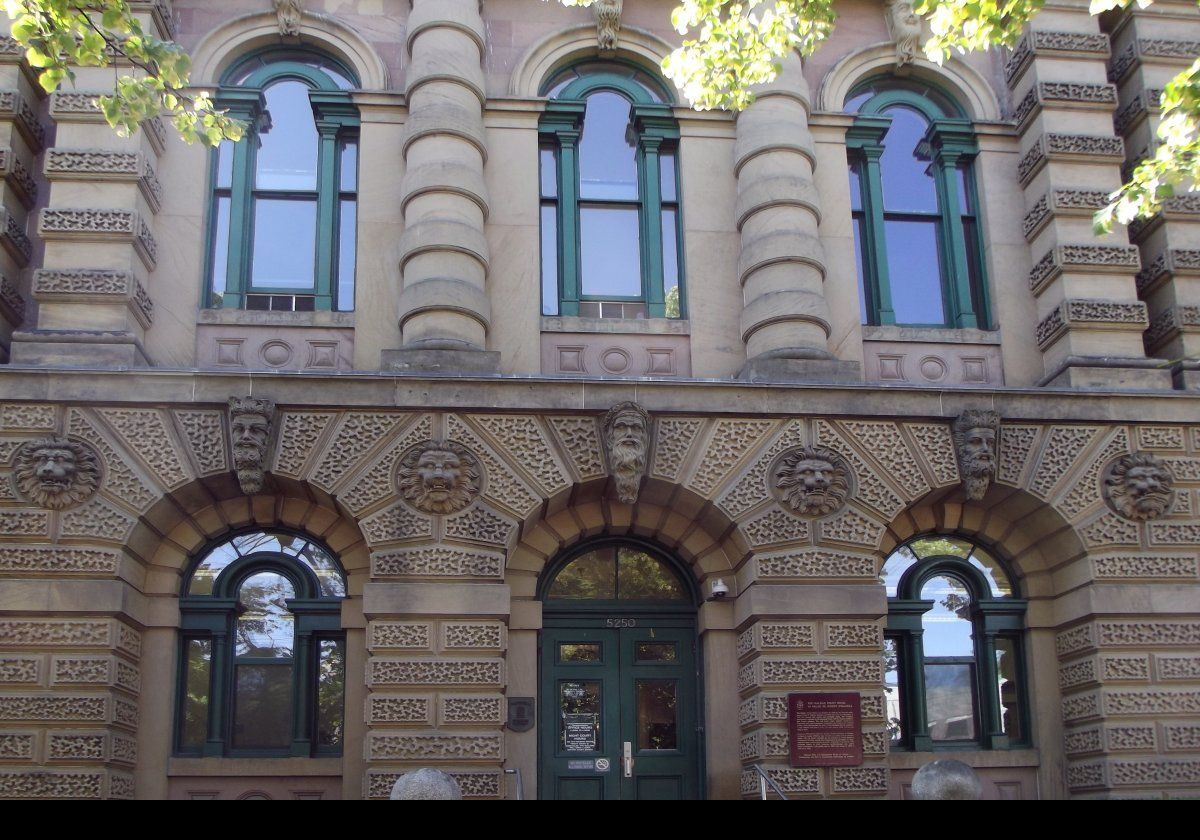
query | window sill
(254,766)
(623,326)
(976,758)
(930,335)
(248,317)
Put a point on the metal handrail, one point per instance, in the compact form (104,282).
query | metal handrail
(764,780)
(516,771)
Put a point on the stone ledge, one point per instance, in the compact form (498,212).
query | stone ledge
(930,335)
(274,767)
(629,326)
(248,317)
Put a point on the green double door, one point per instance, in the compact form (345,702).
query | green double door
(619,712)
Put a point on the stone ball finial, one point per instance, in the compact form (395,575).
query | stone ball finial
(426,783)
(946,778)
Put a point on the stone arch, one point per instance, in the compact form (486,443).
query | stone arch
(965,83)
(245,33)
(574,43)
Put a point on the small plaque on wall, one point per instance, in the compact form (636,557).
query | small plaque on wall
(520,713)
(825,730)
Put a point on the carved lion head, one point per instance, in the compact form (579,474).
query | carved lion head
(1139,487)
(56,473)
(438,477)
(812,481)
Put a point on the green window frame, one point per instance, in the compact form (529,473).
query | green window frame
(995,664)
(236,195)
(950,149)
(660,223)
(218,629)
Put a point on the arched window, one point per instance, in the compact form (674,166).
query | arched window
(611,244)
(263,656)
(953,648)
(915,208)
(284,206)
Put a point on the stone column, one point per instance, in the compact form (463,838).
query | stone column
(781,266)
(444,309)
(1090,321)
(22,137)
(1149,47)
(93,286)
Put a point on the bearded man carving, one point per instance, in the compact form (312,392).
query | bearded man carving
(627,438)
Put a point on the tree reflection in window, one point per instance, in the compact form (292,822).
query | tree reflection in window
(617,573)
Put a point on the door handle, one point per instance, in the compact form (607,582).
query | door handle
(627,758)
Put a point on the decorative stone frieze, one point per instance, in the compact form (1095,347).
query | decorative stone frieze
(672,442)
(1177,667)
(1151,701)
(385,672)
(1063,95)
(299,436)
(12,305)
(1148,633)
(728,443)
(850,526)
(389,709)
(378,482)
(13,106)
(18,176)
(1054,44)
(13,238)
(935,442)
(1171,322)
(56,473)
(1181,52)
(59,560)
(75,784)
(480,524)
(1166,266)
(437,562)
(1061,203)
(752,489)
(97,520)
(1119,259)
(790,780)
(580,439)
(399,635)
(105,165)
(1143,104)
(21,670)
(1081,494)
(439,477)
(119,477)
(471,709)
(395,524)
(1094,314)
(204,432)
(1057,146)
(147,432)
(523,437)
(94,285)
(860,780)
(814,563)
(250,422)
(387,747)
(503,486)
(868,486)
(1138,487)
(888,448)
(474,784)
(99,224)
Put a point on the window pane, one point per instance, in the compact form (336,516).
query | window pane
(855,188)
(965,205)
(579,715)
(349,166)
(997,578)
(974,266)
(211,566)
(891,690)
(265,627)
(900,561)
(257,541)
(225,165)
(329,577)
(949,701)
(548,168)
(655,652)
(593,575)
(941,547)
(285,244)
(193,729)
(947,625)
(331,689)
(914,271)
(666,177)
(220,259)
(607,155)
(287,152)
(549,259)
(579,652)
(641,577)
(348,222)
(611,251)
(907,184)
(263,707)
(657,728)
(670,257)
(1008,688)
(859,261)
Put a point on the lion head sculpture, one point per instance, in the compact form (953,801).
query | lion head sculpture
(1139,487)
(811,481)
(56,473)
(975,434)
(438,477)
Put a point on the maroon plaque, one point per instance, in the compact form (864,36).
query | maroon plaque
(825,730)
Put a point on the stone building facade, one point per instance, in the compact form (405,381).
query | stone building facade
(763,426)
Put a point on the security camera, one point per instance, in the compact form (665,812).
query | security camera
(717,590)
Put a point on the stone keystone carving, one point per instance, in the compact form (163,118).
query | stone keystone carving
(608,23)
(250,422)
(811,480)
(627,439)
(905,28)
(975,434)
(56,473)
(1138,487)
(289,14)
(439,477)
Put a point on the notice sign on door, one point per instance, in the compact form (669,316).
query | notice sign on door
(579,732)
(825,730)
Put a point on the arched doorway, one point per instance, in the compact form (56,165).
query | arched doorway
(619,684)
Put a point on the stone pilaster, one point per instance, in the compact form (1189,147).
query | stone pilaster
(1090,321)
(22,138)
(781,265)
(444,308)
(93,287)
(1149,47)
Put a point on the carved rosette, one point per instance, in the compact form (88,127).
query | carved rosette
(975,437)
(439,477)
(1138,487)
(810,480)
(56,473)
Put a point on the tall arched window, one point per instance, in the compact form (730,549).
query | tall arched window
(953,648)
(263,656)
(915,208)
(611,244)
(284,207)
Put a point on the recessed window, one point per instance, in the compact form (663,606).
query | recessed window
(284,209)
